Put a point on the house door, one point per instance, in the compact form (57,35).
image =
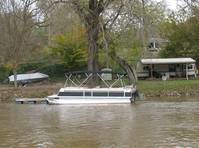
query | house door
(172,70)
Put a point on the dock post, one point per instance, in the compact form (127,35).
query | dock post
(133,98)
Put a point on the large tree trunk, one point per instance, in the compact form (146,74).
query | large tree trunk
(15,78)
(92,33)
(91,17)
(131,72)
(92,27)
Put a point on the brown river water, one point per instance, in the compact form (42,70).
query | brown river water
(149,124)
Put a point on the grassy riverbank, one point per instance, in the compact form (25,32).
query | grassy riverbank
(153,89)
(158,88)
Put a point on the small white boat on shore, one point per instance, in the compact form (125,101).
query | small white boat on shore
(97,95)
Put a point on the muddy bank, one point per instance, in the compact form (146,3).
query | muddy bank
(176,95)
(172,93)
(9,93)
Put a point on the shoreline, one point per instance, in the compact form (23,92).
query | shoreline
(175,93)
(8,93)
(177,88)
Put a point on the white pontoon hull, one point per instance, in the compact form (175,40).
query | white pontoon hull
(89,100)
(80,95)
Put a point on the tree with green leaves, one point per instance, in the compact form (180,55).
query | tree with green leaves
(182,32)
(183,41)
(91,14)
(70,51)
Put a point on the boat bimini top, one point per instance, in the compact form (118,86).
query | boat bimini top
(108,79)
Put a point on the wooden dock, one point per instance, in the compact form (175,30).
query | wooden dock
(30,100)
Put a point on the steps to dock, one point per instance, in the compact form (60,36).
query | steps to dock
(30,100)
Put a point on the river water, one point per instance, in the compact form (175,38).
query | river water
(144,124)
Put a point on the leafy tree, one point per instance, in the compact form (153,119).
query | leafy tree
(91,13)
(183,41)
(70,51)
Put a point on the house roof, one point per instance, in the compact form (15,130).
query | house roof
(168,61)
(31,76)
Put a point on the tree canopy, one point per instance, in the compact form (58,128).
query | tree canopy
(72,34)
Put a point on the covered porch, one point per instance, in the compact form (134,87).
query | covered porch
(166,68)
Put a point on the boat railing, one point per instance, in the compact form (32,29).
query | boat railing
(82,78)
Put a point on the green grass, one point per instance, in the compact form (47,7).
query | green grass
(159,86)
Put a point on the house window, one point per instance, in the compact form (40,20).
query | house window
(190,67)
(151,45)
(146,68)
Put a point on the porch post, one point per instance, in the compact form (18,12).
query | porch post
(187,71)
(151,70)
(195,70)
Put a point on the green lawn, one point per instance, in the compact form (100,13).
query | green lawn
(159,86)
